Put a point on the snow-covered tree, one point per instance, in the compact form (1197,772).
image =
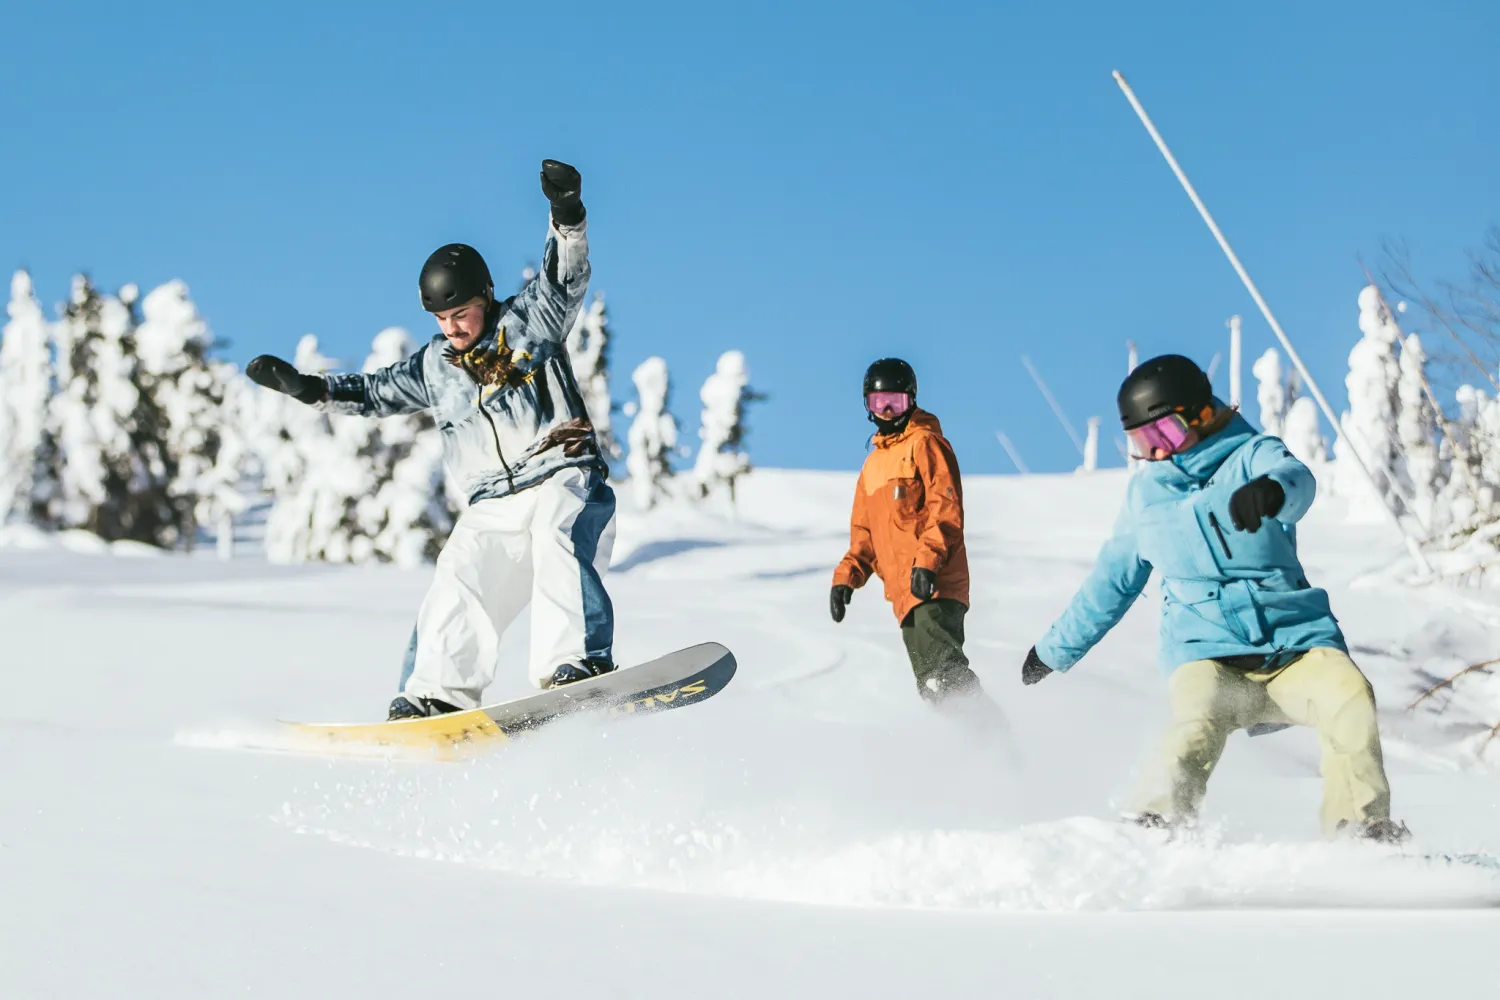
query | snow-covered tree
(1470,495)
(588,350)
(1416,428)
(1302,436)
(114,465)
(307,471)
(27,450)
(653,432)
(1370,421)
(1270,392)
(207,451)
(721,457)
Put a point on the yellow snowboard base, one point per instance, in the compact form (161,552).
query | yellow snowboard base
(439,737)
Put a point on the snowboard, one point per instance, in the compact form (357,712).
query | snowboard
(680,678)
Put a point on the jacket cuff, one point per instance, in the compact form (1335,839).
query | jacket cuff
(1053,656)
(346,394)
(569,231)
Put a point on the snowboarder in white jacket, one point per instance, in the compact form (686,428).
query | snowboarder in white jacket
(539,524)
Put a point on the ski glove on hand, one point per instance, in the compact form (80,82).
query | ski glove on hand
(1257,499)
(1033,669)
(923,583)
(273,373)
(562,184)
(838,600)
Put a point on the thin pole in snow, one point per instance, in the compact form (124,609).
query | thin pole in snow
(1411,543)
(1234,361)
(1015,456)
(1052,402)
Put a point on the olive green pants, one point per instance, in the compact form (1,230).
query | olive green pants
(1322,688)
(934,636)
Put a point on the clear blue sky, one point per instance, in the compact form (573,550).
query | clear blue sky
(816,184)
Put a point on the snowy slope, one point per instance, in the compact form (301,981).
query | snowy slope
(678,855)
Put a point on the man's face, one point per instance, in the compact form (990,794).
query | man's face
(463,325)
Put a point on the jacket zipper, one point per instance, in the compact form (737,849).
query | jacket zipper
(1213,519)
(510,478)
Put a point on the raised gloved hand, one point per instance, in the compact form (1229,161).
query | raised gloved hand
(923,583)
(273,373)
(838,599)
(1257,499)
(562,185)
(1033,669)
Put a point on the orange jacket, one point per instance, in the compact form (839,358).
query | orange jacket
(908,511)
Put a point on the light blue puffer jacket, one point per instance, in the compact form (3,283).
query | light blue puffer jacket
(1225,592)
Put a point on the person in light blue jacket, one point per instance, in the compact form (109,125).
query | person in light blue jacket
(1246,641)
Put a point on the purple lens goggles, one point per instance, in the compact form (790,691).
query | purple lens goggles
(888,404)
(1162,437)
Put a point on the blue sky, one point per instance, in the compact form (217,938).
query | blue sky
(815,184)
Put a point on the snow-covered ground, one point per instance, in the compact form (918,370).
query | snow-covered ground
(812,831)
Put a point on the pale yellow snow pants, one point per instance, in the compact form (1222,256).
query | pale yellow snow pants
(1322,688)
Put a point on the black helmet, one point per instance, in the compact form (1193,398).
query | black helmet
(1167,384)
(453,275)
(890,375)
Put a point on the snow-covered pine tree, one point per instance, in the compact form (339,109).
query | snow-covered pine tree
(1469,495)
(588,350)
(1370,421)
(1416,429)
(114,465)
(653,433)
(1270,392)
(28,473)
(721,457)
(1302,436)
(207,450)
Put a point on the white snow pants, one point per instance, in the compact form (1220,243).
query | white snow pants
(546,546)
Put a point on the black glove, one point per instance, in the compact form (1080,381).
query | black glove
(1259,498)
(1033,669)
(273,373)
(562,184)
(923,583)
(838,599)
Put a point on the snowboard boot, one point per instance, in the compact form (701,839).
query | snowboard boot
(571,673)
(407,708)
(1377,831)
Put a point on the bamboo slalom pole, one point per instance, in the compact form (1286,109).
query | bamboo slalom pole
(1412,544)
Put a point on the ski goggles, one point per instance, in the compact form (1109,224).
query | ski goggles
(1162,438)
(891,405)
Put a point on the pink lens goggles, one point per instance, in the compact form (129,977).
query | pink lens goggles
(1162,438)
(888,404)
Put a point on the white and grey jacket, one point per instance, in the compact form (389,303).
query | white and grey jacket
(509,408)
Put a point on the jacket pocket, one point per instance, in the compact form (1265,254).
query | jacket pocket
(906,497)
(1205,601)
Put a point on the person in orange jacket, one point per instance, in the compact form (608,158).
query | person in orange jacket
(908,529)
